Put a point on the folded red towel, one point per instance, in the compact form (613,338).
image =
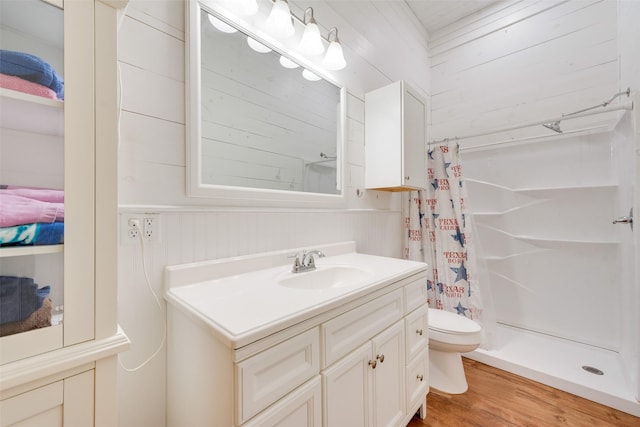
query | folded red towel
(25,86)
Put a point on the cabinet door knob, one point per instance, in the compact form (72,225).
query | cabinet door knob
(420,377)
(406,178)
(419,332)
(373,364)
(380,357)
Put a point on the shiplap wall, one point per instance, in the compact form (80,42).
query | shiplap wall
(383,43)
(521,61)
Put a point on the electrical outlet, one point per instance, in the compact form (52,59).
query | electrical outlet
(150,230)
(135,226)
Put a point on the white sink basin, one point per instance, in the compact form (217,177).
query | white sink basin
(325,277)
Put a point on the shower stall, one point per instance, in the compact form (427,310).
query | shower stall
(559,253)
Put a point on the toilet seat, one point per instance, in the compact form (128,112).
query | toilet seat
(451,323)
(452,332)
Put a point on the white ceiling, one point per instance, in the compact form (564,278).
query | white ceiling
(437,14)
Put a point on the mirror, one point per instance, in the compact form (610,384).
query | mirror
(259,132)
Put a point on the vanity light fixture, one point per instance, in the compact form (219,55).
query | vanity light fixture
(221,25)
(257,46)
(280,23)
(310,76)
(311,42)
(334,59)
(287,63)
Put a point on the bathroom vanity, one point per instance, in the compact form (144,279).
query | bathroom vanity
(250,343)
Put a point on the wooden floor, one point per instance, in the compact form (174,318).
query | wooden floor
(498,398)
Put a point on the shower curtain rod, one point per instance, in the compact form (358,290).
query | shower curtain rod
(626,106)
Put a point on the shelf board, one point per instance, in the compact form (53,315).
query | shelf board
(557,242)
(11,251)
(551,191)
(30,113)
(32,99)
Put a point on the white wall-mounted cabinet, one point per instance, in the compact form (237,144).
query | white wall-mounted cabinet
(395,121)
(55,144)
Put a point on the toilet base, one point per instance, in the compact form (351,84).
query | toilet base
(446,372)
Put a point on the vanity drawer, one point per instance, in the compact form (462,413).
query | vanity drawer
(348,331)
(301,408)
(266,377)
(417,331)
(417,379)
(415,294)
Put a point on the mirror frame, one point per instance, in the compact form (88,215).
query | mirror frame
(246,196)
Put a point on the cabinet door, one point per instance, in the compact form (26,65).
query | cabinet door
(67,402)
(388,377)
(32,147)
(395,120)
(35,408)
(415,140)
(49,144)
(347,390)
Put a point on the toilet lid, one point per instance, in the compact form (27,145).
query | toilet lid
(445,321)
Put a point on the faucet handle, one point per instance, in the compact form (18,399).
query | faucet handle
(296,262)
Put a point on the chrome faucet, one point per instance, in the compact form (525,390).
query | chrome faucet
(306,262)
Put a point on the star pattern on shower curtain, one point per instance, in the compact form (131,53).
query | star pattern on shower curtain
(438,233)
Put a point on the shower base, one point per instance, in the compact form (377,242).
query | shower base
(559,363)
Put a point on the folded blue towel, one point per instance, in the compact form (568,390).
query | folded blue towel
(33,234)
(30,67)
(19,297)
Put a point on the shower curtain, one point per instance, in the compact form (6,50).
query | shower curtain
(439,232)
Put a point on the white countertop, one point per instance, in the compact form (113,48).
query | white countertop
(248,306)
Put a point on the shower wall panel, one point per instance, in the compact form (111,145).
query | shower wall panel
(544,217)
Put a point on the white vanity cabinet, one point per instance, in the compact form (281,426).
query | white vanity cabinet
(395,123)
(64,374)
(357,359)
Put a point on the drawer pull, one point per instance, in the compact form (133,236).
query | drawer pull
(419,332)
(373,363)
(380,357)
(420,377)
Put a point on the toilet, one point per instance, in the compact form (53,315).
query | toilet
(450,335)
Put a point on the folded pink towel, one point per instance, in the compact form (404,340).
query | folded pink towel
(42,194)
(18,210)
(25,86)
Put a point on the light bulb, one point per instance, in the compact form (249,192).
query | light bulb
(310,76)
(311,42)
(257,46)
(334,59)
(287,63)
(279,22)
(221,25)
